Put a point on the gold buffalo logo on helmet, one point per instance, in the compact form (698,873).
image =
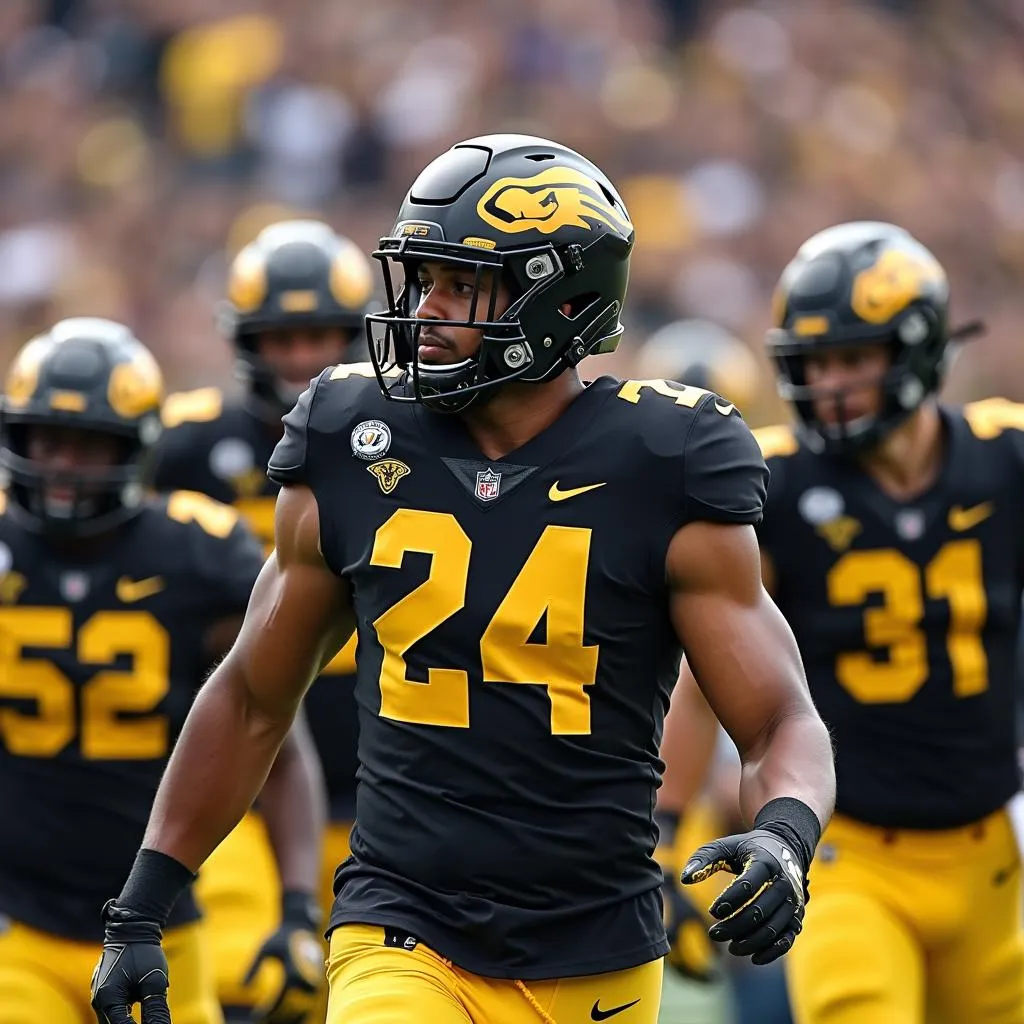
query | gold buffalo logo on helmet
(23,376)
(558,197)
(895,280)
(135,387)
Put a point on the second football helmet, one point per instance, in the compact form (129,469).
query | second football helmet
(295,274)
(862,283)
(85,374)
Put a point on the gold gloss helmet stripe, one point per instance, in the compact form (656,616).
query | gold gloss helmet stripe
(23,375)
(136,387)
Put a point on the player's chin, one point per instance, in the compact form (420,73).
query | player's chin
(436,355)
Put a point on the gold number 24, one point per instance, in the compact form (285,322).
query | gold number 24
(954,574)
(552,582)
(104,734)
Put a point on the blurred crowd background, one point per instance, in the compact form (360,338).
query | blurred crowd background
(143,142)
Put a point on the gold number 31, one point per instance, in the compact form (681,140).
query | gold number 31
(954,574)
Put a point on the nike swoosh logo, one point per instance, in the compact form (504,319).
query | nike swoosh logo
(725,408)
(129,591)
(598,1014)
(555,494)
(961,518)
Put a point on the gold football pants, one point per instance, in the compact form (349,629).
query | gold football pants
(45,979)
(240,894)
(906,926)
(371,983)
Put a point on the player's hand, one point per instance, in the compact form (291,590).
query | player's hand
(132,969)
(296,947)
(761,913)
(692,954)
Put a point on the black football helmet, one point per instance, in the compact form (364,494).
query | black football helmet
(296,273)
(703,354)
(543,218)
(91,375)
(862,283)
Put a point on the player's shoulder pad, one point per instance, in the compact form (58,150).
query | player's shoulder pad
(725,474)
(339,396)
(201,514)
(204,405)
(991,417)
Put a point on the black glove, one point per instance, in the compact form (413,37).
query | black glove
(296,946)
(692,954)
(761,913)
(132,969)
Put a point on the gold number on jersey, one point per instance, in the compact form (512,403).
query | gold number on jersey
(444,698)
(109,695)
(683,394)
(551,584)
(955,575)
(104,734)
(47,731)
(211,516)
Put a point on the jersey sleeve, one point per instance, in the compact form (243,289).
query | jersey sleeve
(778,444)
(725,476)
(289,463)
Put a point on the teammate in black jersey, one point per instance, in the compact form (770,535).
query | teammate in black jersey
(892,543)
(296,299)
(112,609)
(521,573)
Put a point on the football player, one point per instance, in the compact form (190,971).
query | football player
(892,542)
(522,557)
(296,299)
(703,354)
(112,609)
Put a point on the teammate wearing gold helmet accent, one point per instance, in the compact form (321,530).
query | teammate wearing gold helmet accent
(296,297)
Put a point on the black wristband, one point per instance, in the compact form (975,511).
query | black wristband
(300,907)
(793,821)
(668,826)
(154,884)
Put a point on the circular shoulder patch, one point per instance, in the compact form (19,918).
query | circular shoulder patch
(370,440)
(821,505)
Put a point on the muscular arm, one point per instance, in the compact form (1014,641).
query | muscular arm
(747,665)
(299,616)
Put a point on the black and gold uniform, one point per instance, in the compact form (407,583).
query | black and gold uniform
(907,614)
(107,603)
(297,276)
(516,660)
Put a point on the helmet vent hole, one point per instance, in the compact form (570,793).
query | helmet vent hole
(538,157)
(580,304)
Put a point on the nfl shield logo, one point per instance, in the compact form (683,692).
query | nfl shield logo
(488,484)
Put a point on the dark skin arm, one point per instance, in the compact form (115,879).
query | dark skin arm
(746,662)
(293,799)
(299,616)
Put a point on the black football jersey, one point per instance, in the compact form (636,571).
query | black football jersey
(516,658)
(907,616)
(100,659)
(221,449)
